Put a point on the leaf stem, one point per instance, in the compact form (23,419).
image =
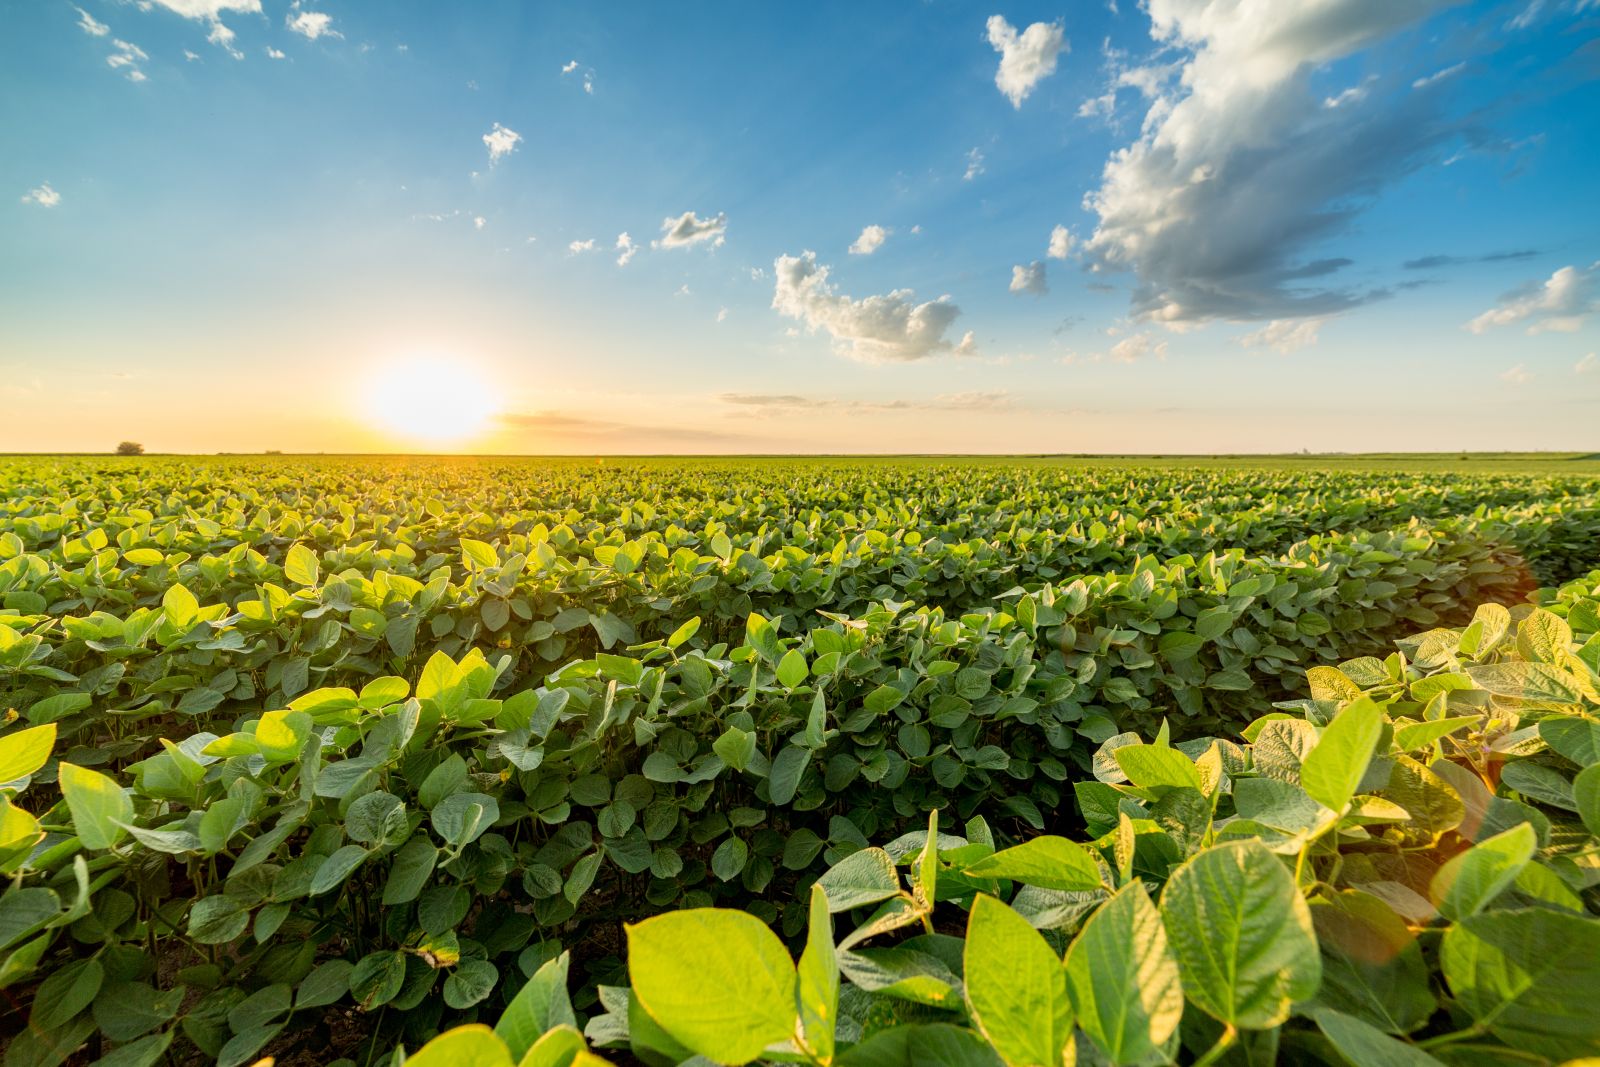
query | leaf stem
(1230,1035)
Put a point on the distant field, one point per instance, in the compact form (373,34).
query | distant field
(296,740)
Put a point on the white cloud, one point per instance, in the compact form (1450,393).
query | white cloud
(1132,349)
(690,229)
(44,196)
(273,53)
(722,314)
(1240,169)
(311,24)
(889,328)
(1060,243)
(581,246)
(206,9)
(222,37)
(570,67)
(626,249)
(88,24)
(190,56)
(1353,95)
(478,222)
(1026,59)
(501,141)
(1284,335)
(1029,279)
(1437,76)
(127,58)
(1558,305)
(588,82)
(1517,375)
(1584,365)
(871,239)
(974,164)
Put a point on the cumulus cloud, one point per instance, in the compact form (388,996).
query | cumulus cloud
(1027,58)
(871,239)
(1517,375)
(974,164)
(1132,349)
(875,329)
(311,24)
(1061,240)
(1029,279)
(569,67)
(1284,335)
(1241,169)
(626,249)
(127,58)
(577,247)
(44,196)
(690,229)
(501,141)
(273,53)
(1560,304)
(87,23)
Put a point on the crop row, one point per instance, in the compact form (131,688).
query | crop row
(1403,865)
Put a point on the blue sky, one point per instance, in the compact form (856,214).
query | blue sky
(1337,224)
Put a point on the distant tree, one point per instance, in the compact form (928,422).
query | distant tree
(130,448)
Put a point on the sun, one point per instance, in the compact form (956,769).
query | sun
(430,398)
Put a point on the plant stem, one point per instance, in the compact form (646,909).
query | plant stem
(1229,1035)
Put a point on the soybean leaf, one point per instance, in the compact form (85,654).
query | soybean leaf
(1047,862)
(1241,934)
(1016,986)
(730,997)
(1123,978)
(1333,769)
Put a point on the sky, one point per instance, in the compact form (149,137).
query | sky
(1185,226)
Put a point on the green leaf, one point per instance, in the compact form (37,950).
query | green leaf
(412,866)
(474,1045)
(1372,966)
(1016,986)
(377,979)
(861,878)
(1471,880)
(471,982)
(792,669)
(925,1045)
(1242,935)
(1529,977)
(735,747)
(1333,769)
(25,751)
(216,920)
(180,606)
(1152,766)
(333,871)
(300,566)
(788,767)
(684,632)
(145,1052)
(729,859)
(817,988)
(1586,795)
(540,1005)
(728,998)
(462,818)
(1047,862)
(98,805)
(1363,1045)
(1123,979)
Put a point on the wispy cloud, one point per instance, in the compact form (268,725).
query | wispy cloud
(310,24)
(88,24)
(579,247)
(1584,365)
(1284,335)
(127,58)
(974,164)
(44,196)
(1517,375)
(626,249)
(791,403)
(690,229)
